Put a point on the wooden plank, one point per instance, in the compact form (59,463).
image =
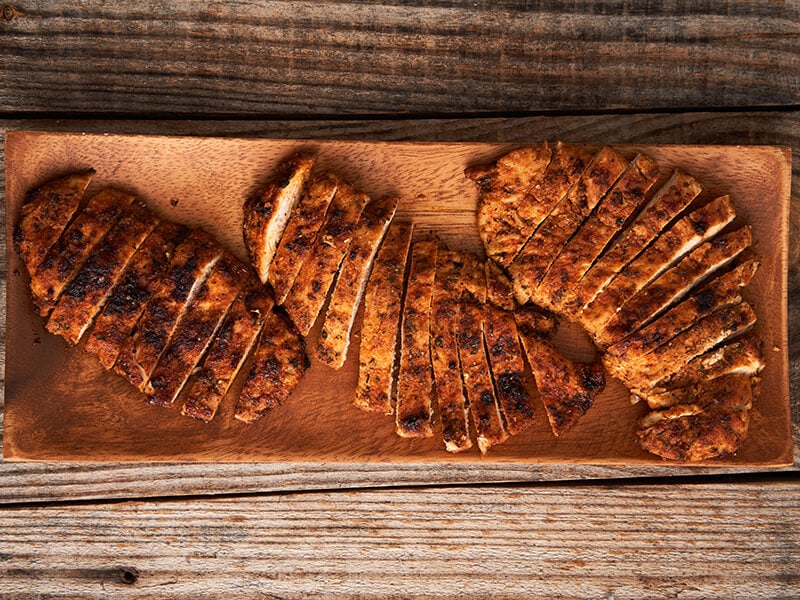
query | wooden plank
(685,541)
(340,57)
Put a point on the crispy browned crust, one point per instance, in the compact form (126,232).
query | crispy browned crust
(567,389)
(503,186)
(189,267)
(610,214)
(505,359)
(675,195)
(722,291)
(414,411)
(675,283)
(267,211)
(381,321)
(499,290)
(129,297)
(334,337)
(45,214)
(228,351)
(450,399)
(195,330)
(685,235)
(532,263)
(94,282)
(73,248)
(477,377)
(533,320)
(300,233)
(279,363)
(729,391)
(316,276)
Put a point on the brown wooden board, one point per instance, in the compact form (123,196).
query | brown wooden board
(61,405)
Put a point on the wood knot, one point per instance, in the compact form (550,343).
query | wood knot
(9,13)
(128,575)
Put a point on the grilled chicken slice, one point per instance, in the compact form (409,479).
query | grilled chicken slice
(137,284)
(533,262)
(567,389)
(190,265)
(93,284)
(742,356)
(279,363)
(483,406)
(610,214)
(453,411)
(76,244)
(503,212)
(414,411)
(228,351)
(267,212)
(505,359)
(45,214)
(195,330)
(312,283)
(675,283)
(670,200)
(722,291)
(352,279)
(381,321)
(680,239)
(730,391)
(499,289)
(532,320)
(300,233)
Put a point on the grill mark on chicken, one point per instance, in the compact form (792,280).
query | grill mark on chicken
(505,360)
(305,299)
(190,265)
(674,196)
(499,290)
(483,406)
(352,279)
(414,412)
(300,234)
(267,212)
(610,214)
(195,330)
(228,351)
(137,284)
(96,279)
(505,218)
(45,214)
(742,356)
(674,243)
(533,262)
(279,363)
(73,248)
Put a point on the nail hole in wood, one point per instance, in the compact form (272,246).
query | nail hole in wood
(128,575)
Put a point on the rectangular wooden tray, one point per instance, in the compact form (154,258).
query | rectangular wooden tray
(60,405)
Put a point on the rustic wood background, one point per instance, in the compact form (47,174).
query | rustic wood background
(639,72)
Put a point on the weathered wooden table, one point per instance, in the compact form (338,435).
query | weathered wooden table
(428,70)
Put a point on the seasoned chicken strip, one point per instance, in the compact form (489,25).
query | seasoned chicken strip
(483,406)
(381,321)
(674,243)
(532,320)
(532,263)
(730,391)
(300,233)
(505,359)
(352,279)
(195,330)
(499,290)
(675,195)
(228,351)
(454,414)
(45,214)
(316,276)
(267,212)
(414,411)
(610,214)
(94,283)
(188,269)
(505,218)
(67,255)
(137,284)
(675,283)
(279,363)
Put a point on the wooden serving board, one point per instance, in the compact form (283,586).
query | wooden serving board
(62,406)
